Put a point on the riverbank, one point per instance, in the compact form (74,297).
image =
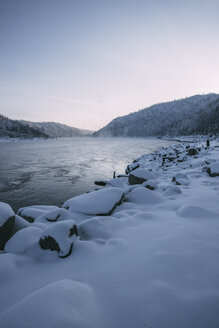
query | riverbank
(140,252)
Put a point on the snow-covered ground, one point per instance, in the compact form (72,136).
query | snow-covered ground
(142,255)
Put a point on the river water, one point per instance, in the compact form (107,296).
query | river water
(51,171)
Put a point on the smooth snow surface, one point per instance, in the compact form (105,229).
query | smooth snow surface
(62,304)
(152,263)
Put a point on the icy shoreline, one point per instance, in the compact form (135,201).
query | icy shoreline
(140,252)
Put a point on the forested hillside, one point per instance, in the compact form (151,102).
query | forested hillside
(194,115)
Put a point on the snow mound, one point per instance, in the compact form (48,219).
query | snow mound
(100,202)
(100,227)
(23,240)
(197,212)
(172,190)
(142,196)
(8,268)
(60,237)
(7,220)
(5,213)
(61,304)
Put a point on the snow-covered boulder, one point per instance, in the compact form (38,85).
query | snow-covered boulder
(31,213)
(23,240)
(140,175)
(100,202)
(60,237)
(143,196)
(131,167)
(61,304)
(213,169)
(7,219)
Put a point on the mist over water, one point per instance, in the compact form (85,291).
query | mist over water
(51,171)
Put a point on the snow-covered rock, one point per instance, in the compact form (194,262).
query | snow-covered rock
(60,237)
(31,213)
(60,304)
(60,214)
(181,179)
(131,167)
(23,240)
(7,219)
(100,202)
(140,175)
(143,196)
(213,169)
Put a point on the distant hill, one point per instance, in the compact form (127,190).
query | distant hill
(55,130)
(198,114)
(24,129)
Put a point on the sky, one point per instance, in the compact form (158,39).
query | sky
(85,62)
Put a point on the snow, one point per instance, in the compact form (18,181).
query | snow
(35,211)
(5,213)
(64,303)
(151,262)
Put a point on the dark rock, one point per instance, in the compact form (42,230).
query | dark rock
(49,243)
(60,237)
(135,180)
(139,176)
(7,220)
(28,218)
(6,231)
(192,151)
(149,187)
(100,183)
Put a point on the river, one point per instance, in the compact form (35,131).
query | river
(51,171)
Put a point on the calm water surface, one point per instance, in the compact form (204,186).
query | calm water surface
(52,171)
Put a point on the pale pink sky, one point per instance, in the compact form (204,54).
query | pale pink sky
(83,63)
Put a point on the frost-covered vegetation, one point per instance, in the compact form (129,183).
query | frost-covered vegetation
(140,252)
(190,116)
(17,129)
